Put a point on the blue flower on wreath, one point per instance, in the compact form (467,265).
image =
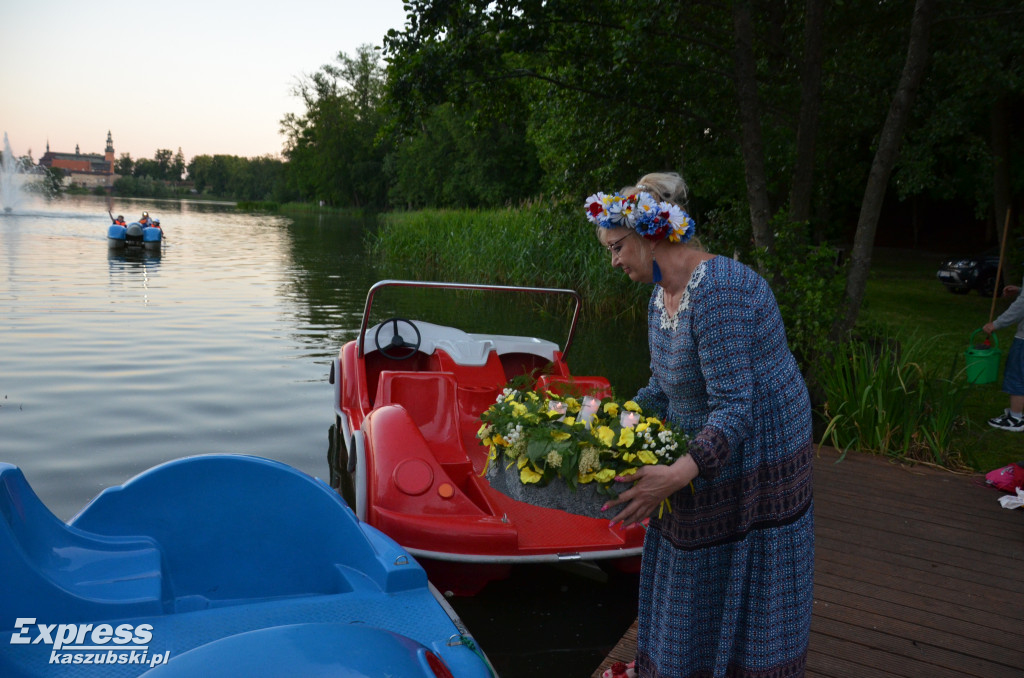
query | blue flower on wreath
(641,212)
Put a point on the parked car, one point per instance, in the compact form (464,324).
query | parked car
(978,272)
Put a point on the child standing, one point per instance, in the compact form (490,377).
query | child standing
(1012,419)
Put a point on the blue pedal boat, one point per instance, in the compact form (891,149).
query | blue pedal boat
(216,565)
(134,236)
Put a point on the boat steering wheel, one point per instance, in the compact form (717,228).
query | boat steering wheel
(398,348)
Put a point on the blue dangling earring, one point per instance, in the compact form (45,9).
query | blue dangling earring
(656,271)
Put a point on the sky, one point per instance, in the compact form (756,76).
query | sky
(213,77)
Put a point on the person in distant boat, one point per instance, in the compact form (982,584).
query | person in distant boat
(120,218)
(145,219)
(727,575)
(156,223)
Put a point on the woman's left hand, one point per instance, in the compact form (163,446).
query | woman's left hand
(651,486)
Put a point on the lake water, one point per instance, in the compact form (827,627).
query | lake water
(111,364)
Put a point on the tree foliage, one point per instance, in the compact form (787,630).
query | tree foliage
(778,114)
(333,150)
(230,176)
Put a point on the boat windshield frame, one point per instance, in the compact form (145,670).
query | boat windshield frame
(469,286)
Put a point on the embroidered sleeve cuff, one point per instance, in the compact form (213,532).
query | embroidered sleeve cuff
(710,450)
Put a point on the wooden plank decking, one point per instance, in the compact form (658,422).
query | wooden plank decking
(918,573)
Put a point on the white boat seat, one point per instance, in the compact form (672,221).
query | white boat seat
(464,348)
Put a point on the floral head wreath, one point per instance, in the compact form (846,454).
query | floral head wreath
(640,211)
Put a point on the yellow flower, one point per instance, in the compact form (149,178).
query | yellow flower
(647,457)
(628,457)
(518,409)
(560,435)
(498,440)
(653,420)
(625,438)
(528,475)
(585,478)
(572,404)
(611,408)
(570,421)
(632,406)
(605,435)
(521,461)
(642,426)
(605,475)
(627,471)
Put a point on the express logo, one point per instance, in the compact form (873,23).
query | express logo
(76,636)
(90,643)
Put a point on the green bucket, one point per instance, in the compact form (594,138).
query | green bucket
(982,361)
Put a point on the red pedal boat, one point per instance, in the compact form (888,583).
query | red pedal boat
(408,395)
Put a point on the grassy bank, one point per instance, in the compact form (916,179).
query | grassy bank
(539,246)
(904,297)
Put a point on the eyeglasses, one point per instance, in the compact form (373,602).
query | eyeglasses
(615,247)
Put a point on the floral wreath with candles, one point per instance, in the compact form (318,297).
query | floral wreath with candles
(548,437)
(640,211)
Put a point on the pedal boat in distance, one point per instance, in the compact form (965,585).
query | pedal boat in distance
(408,396)
(134,236)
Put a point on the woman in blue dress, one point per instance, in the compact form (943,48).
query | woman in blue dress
(726,585)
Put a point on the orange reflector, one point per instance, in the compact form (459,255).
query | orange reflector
(445,491)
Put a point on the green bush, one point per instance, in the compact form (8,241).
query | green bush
(808,283)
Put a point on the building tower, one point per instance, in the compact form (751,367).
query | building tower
(108,155)
(109,151)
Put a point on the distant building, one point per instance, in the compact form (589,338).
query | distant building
(84,169)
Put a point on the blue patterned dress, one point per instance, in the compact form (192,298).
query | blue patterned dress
(726,584)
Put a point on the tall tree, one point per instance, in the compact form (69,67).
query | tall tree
(885,158)
(163,159)
(802,186)
(176,171)
(333,148)
(124,165)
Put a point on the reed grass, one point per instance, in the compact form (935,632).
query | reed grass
(880,398)
(534,245)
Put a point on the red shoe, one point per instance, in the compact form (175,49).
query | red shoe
(620,670)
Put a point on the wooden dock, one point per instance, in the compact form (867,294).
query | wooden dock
(918,572)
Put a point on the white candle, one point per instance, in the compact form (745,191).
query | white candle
(629,419)
(590,405)
(557,406)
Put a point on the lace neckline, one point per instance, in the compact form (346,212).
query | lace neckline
(671,321)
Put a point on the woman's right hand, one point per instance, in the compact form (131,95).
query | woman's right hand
(651,486)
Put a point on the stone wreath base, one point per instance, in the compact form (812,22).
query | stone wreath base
(583,501)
